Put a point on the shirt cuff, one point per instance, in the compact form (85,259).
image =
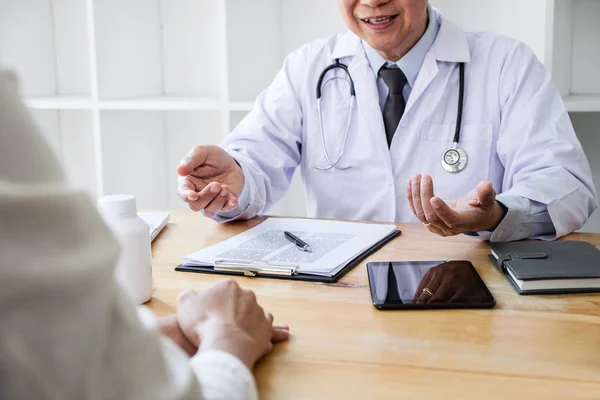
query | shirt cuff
(147,318)
(509,228)
(524,219)
(223,376)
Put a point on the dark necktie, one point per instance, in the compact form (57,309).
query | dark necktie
(395,104)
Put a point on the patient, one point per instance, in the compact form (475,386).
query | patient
(67,331)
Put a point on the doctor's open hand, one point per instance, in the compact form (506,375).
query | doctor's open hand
(209,180)
(475,212)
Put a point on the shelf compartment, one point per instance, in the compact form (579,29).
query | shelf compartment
(70,135)
(142,149)
(46,43)
(254,50)
(575,53)
(241,106)
(300,25)
(159,47)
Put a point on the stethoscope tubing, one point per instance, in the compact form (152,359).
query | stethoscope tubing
(334,164)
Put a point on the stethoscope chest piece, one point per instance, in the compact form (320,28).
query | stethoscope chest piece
(454,159)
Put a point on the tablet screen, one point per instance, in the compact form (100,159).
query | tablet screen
(424,283)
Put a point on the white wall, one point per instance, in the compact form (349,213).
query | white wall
(300,25)
(587,126)
(524,20)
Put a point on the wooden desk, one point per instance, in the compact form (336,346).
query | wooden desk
(528,347)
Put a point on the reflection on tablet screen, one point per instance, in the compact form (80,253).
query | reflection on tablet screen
(426,282)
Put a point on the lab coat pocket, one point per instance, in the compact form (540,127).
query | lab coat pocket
(475,139)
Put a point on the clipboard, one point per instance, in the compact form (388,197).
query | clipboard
(261,269)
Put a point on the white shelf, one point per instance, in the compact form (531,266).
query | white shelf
(160,103)
(164,103)
(254,50)
(573,55)
(241,106)
(45,43)
(142,149)
(70,135)
(583,103)
(60,103)
(151,48)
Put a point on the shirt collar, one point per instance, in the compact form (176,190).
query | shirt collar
(412,61)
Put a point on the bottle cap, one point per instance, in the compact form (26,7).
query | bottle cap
(117,206)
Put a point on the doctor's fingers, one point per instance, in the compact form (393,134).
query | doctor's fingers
(426,195)
(486,195)
(192,160)
(205,196)
(409,196)
(451,218)
(223,201)
(186,190)
(216,204)
(232,200)
(441,230)
(416,198)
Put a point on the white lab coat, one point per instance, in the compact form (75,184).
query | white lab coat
(515,130)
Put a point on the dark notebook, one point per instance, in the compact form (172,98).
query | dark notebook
(549,267)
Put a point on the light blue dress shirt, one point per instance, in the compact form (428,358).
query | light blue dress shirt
(521,211)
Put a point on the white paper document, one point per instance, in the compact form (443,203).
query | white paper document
(156,221)
(333,244)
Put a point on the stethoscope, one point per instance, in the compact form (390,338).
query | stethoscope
(453,160)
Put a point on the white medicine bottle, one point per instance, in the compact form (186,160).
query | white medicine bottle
(134,267)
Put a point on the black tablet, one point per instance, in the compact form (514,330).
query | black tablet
(427,284)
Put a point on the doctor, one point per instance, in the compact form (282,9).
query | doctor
(405,118)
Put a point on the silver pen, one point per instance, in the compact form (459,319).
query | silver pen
(302,245)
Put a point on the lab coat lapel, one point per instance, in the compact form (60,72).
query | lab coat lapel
(450,46)
(367,97)
(428,72)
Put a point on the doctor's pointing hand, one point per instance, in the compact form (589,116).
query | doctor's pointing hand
(405,117)
(210,180)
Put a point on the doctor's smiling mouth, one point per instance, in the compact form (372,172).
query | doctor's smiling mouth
(380,23)
(392,27)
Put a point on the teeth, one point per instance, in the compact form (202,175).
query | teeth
(382,20)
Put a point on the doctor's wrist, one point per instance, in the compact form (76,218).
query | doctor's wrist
(497,214)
